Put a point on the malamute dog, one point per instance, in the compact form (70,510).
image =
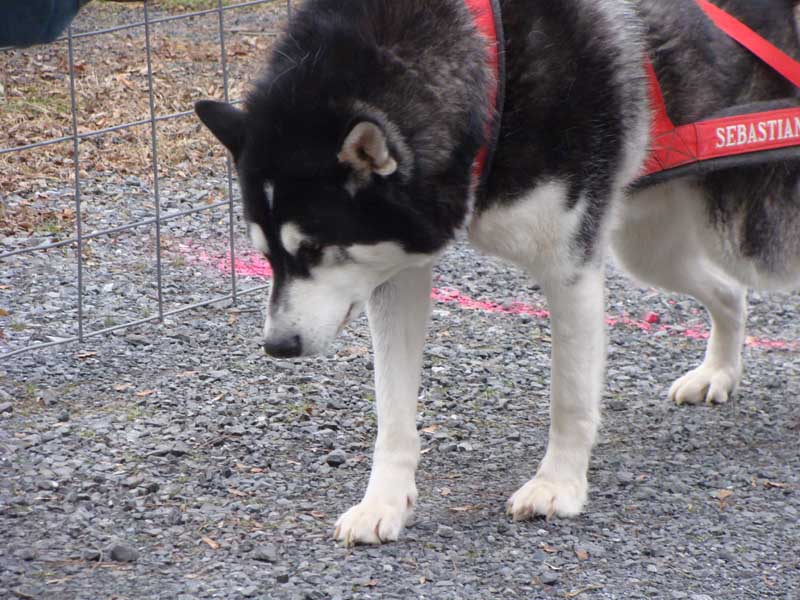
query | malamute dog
(355,151)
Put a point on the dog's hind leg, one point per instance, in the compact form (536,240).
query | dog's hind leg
(661,242)
(398,314)
(718,376)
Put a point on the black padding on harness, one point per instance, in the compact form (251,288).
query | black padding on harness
(704,167)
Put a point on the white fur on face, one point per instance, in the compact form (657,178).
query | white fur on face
(318,307)
(257,238)
(292,238)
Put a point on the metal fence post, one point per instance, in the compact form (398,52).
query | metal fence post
(154,151)
(77,165)
(81,237)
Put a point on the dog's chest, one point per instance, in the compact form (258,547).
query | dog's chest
(538,227)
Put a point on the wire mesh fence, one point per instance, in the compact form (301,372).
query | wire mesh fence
(52,185)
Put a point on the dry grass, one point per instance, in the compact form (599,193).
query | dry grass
(112,89)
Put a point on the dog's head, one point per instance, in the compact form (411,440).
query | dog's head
(354,152)
(329,202)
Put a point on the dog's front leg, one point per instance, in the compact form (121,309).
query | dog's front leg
(578,362)
(398,314)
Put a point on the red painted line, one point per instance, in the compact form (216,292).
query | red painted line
(252,265)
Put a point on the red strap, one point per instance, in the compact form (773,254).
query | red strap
(483,14)
(695,142)
(771,55)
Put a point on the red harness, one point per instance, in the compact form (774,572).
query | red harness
(676,150)
(709,140)
(487,21)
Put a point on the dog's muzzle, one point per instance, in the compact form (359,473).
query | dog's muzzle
(284,347)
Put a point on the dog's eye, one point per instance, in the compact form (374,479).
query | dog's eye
(309,251)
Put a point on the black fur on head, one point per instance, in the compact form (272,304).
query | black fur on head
(340,64)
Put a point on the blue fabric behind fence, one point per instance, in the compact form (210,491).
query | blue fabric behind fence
(29,22)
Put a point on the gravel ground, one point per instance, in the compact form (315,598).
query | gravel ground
(177,461)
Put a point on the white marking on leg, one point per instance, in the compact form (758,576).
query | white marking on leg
(664,239)
(717,378)
(538,232)
(579,347)
(398,314)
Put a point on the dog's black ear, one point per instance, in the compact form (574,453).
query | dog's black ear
(366,150)
(226,122)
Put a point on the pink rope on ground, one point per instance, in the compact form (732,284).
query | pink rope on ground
(252,265)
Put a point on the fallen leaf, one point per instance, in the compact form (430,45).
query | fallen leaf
(238,493)
(467,508)
(430,429)
(4,312)
(83,355)
(211,543)
(144,393)
(582,555)
(549,549)
(446,491)
(588,588)
(317,514)
(723,496)
(775,485)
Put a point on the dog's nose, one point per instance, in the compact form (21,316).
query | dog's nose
(284,347)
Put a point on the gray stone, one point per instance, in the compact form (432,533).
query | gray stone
(549,577)
(122,553)
(266,553)
(445,531)
(624,477)
(138,340)
(27,554)
(6,407)
(133,481)
(336,458)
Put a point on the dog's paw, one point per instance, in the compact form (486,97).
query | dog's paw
(374,521)
(548,498)
(705,384)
